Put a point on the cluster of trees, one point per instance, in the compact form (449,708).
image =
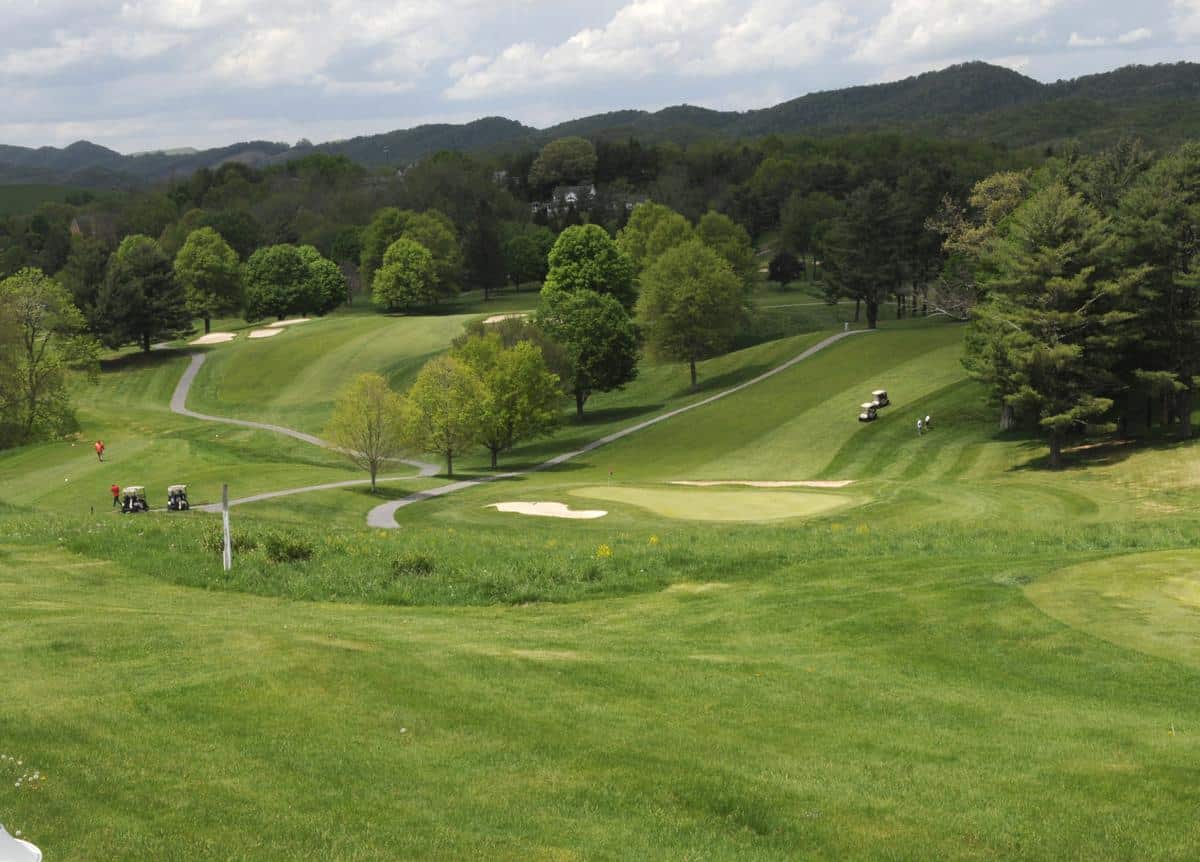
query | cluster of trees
(494,389)
(1082,281)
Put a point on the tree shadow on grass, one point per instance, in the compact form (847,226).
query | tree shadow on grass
(140,360)
(1098,453)
(707,385)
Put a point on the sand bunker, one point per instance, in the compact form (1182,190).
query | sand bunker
(215,338)
(264,333)
(290,322)
(833,483)
(725,504)
(548,510)
(496,318)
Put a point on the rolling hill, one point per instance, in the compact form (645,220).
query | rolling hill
(973,100)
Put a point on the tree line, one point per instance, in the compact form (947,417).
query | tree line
(1082,284)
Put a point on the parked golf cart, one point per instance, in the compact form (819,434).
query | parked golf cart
(177,500)
(879,398)
(868,412)
(133,499)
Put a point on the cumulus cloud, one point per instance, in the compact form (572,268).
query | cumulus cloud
(912,28)
(702,38)
(1077,41)
(1186,20)
(1141,34)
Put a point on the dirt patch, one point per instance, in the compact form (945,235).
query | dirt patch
(770,483)
(215,338)
(546,509)
(264,333)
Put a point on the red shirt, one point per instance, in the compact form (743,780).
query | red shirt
(99,446)
(116,490)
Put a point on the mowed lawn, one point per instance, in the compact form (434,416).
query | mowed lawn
(919,671)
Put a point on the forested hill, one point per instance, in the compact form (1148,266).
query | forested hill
(973,100)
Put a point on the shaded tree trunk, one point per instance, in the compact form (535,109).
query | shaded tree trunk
(1185,413)
(1055,450)
(579,399)
(495,455)
(374,472)
(207,325)
(872,313)
(857,306)
(1007,418)
(692,363)
(145,342)
(449,462)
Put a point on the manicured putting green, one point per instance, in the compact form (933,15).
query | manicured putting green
(720,504)
(1147,602)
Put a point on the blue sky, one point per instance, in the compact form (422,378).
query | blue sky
(149,74)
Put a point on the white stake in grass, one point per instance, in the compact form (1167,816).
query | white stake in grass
(227,551)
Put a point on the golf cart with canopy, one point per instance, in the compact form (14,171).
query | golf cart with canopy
(133,499)
(879,398)
(15,850)
(868,412)
(177,500)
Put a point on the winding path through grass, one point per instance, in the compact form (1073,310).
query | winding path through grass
(383,516)
(179,405)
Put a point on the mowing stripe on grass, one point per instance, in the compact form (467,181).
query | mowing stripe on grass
(383,516)
(179,405)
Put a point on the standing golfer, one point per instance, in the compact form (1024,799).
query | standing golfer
(920,428)
(116,492)
(100,449)
(927,423)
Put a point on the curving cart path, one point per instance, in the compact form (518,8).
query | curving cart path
(383,516)
(179,405)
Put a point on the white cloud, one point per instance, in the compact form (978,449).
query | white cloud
(1141,34)
(913,29)
(1186,20)
(670,37)
(1077,41)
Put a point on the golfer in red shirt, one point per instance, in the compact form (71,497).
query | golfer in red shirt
(100,449)
(116,492)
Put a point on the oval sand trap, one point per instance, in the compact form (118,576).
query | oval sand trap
(548,510)
(264,333)
(290,322)
(496,318)
(1146,602)
(215,338)
(721,504)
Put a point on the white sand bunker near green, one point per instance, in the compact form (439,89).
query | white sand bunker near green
(290,322)
(546,509)
(770,483)
(496,318)
(264,333)
(215,338)
(722,504)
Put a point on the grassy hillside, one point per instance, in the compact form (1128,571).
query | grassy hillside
(948,658)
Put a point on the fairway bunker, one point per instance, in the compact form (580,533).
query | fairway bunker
(290,322)
(769,483)
(264,333)
(544,509)
(214,338)
(722,504)
(499,318)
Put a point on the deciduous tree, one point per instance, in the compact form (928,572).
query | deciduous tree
(367,423)
(406,278)
(585,257)
(444,409)
(599,338)
(210,273)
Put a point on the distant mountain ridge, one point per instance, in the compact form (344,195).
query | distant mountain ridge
(966,100)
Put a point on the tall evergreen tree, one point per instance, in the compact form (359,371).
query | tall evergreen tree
(141,302)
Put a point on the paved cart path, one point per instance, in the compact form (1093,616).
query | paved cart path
(179,405)
(383,516)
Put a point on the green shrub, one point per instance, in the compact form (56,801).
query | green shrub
(287,547)
(412,565)
(212,540)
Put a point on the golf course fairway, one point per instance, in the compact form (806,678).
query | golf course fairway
(721,504)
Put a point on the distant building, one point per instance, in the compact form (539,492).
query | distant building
(564,198)
(101,226)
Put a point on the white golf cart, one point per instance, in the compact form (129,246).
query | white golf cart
(879,398)
(177,500)
(133,499)
(868,412)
